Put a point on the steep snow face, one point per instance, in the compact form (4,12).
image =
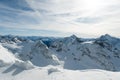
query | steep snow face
(6,57)
(41,55)
(19,49)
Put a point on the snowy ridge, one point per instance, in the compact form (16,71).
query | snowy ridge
(88,54)
(40,55)
(71,52)
(52,56)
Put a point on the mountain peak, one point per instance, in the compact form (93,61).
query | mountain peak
(109,39)
(73,36)
(106,36)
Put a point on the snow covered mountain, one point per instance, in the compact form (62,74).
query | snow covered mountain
(100,53)
(71,53)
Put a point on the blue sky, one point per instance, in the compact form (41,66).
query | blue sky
(85,18)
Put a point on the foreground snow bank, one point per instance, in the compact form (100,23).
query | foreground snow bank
(55,73)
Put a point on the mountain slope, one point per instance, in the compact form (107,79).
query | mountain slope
(28,58)
(88,54)
(70,52)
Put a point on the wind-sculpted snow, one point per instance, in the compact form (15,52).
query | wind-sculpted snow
(6,57)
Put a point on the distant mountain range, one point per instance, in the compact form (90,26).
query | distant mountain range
(69,52)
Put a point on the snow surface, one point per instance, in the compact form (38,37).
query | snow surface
(55,73)
(69,58)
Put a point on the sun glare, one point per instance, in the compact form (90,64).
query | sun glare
(93,5)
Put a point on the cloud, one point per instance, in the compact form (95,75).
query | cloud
(81,17)
(88,20)
(16,13)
